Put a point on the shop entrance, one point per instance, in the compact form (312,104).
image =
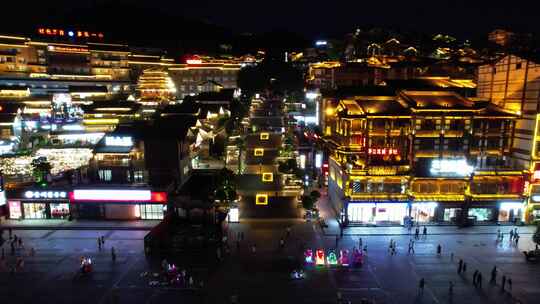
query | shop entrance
(423,212)
(451,214)
(35,210)
(481,214)
(151,212)
(510,212)
(391,213)
(361,213)
(59,210)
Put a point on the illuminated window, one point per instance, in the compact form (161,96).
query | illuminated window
(258,152)
(265,136)
(105,175)
(267,177)
(261,199)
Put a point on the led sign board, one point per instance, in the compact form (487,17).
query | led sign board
(119,141)
(113,195)
(454,167)
(45,194)
(382,151)
(68,33)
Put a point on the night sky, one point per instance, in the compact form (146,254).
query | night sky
(312,19)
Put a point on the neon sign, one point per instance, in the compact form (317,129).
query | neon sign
(45,194)
(382,151)
(457,167)
(119,141)
(109,195)
(70,33)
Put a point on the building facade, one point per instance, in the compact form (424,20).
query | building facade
(425,156)
(513,83)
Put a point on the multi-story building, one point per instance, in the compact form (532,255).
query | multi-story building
(195,77)
(513,83)
(429,156)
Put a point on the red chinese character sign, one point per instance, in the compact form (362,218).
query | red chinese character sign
(56,32)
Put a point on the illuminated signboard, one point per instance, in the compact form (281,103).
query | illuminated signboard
(382,151)
(64,49)
(69,33)
(15,209)
(110,195)
(321,42)
(456,167)
(45,194)
(119,141)
(2,198)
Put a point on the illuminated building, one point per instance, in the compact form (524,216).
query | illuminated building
(105,116)
(199,76)
(155,87)
(512,83)
(433,156)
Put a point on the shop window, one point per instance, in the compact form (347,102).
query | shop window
(138,176)
(151,212)
(105,175)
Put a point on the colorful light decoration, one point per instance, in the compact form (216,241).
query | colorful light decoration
(110,195)
(344,257)
(357,257)
(320,257)
(308,256)
(332,258)
(61,33)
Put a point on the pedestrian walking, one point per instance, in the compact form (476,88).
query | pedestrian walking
(288,231)
(32,251)
(421,286)
(498,235)
(417,233)
(99,243)
(411,246)
(21,246)
(464,267)
(424,232)
(479,279)
(253,249)
(503,284)
(394,249)
(516,237)
(493,275)
(190,281)
(460,266)
(474,277)
(281,243)
(439,249)
(359,242)
(12,245)
(511,235)
(510,284)
(10,232)
(113,254)
(102,240)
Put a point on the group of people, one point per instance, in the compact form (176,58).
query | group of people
(177,277)
(16,243)
(477,276)
(514,236)
(417,232)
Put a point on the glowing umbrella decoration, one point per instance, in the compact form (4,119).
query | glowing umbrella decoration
(319,257)
(308,256)
(332,258)
(344,257)
(357,257)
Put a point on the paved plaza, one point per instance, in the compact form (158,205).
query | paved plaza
(51,275)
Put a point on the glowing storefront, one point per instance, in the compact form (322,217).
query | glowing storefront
(122,204)
(39,203)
